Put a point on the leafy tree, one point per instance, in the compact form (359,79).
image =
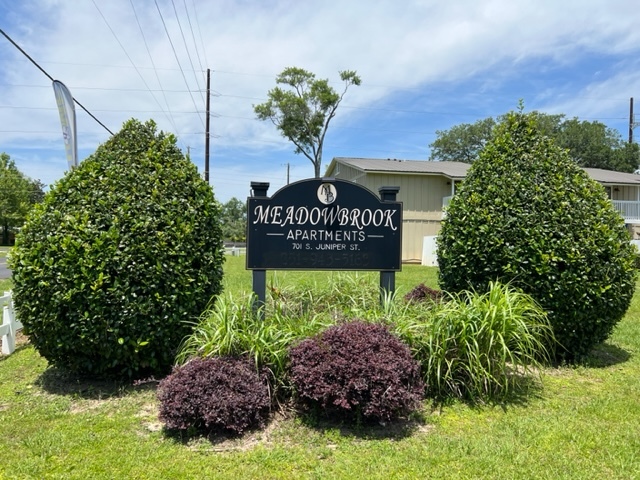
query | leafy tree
(18,193)
(626,158)
(36,194)
(233,220)
(528,215)
(590,144)
(122,256)
(303,110)
(462,143)
(593,144)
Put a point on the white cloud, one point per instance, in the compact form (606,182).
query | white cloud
(410,51)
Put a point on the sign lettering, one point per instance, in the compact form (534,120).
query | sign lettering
(323,224)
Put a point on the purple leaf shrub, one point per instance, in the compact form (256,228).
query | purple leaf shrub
(355,369)
(214,394)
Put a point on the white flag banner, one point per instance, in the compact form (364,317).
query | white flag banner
(67,111)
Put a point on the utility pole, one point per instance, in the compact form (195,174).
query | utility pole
(631,123)
(206,138)
(288,167)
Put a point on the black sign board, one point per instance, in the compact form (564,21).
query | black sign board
(324,224)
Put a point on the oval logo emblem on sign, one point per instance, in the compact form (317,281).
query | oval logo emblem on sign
(327,193)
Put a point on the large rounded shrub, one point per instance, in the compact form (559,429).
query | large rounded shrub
(355,370)
(528,215)
(122,253)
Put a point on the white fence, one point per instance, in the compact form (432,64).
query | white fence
(628,210)
(235,251)
(10,325)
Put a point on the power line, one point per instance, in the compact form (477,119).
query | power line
(177,59)
(131,60)
(186,47)
(172,121)
(85,64)
(238,96)
(114,110)
(51,78)
(345,106)
(204,48)
(193,37)
(76,87)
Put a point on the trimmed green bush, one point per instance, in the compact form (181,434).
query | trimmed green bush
(528,215)
(124,250)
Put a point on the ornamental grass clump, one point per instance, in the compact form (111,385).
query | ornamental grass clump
(482,346)
(340,295)
(235,328)
(357,370)
(219,394)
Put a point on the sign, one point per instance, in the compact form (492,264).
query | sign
(324,224)
(67,112)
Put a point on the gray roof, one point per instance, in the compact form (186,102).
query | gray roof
(392,165)
(613,178)
(459,169)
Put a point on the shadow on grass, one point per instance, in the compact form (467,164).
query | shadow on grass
(605,355)
(220,441)
(61,382)
(216,440)
(526,388)
(347,427)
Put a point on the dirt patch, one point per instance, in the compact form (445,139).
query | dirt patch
(21,339)
(246,442)
(283,429)
(86,406)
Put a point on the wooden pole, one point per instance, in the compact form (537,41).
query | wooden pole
(206,138)
(631,120)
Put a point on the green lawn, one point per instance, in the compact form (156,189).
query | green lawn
(584,424)
(5,285)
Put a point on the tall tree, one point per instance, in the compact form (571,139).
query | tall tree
(303,110)
(233,220)
(593,144)
(590,144)
(627,158)
(462,143)
(18,193)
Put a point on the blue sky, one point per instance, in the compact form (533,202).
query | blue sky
(425,65)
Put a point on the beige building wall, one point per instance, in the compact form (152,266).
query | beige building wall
(418,193)
(624,193)
(413,233)
(421,197)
